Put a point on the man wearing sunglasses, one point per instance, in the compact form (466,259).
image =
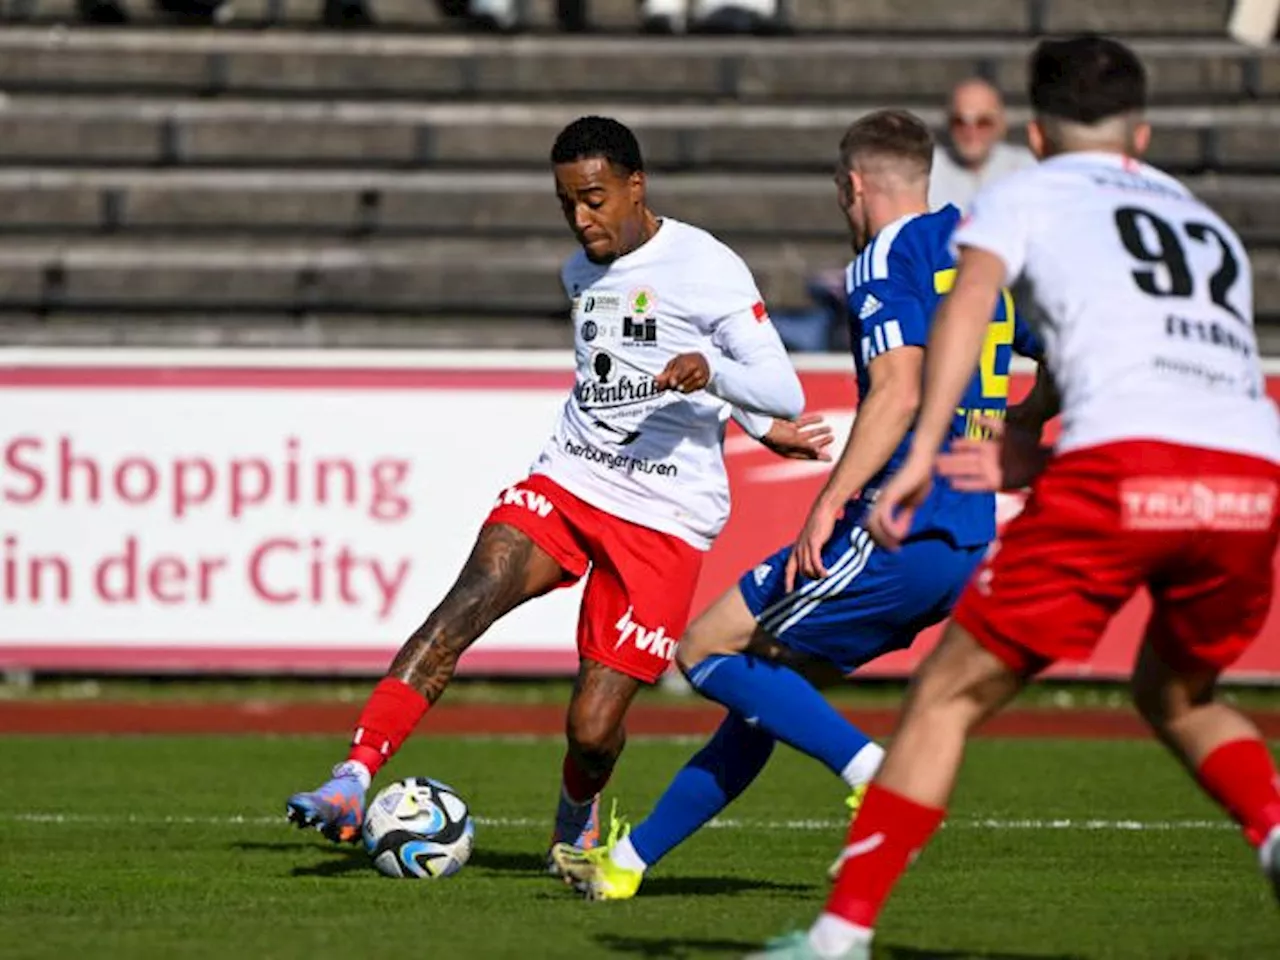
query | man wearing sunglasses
(974,152)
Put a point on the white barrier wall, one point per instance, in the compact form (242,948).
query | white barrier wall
(307,516)
(238,511)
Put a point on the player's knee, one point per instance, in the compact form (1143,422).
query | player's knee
(960,685)
(594,740)
(698,644)
(935,707)
(1162,695)
(1161,702)
(725,628)
(688,656)
(1149,700)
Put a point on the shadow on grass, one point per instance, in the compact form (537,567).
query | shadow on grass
(509,861)
(890,952)
(531,864)
(695,887)
(677,948)
(345,859)
(341,861)
(722,886)
(680,948)
(338,860)
(295,846)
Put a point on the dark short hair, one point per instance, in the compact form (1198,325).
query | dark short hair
(603,137)
(888,134)
(1086,79)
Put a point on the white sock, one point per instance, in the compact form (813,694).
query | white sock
(862,768)
(624,855)
(1269,850)
(834,936)
(354,768)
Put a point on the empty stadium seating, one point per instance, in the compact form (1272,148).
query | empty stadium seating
(239,185)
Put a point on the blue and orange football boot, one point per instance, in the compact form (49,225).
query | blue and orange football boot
(336,809)
(577,825)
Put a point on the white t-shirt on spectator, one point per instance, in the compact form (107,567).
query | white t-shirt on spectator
(952,183)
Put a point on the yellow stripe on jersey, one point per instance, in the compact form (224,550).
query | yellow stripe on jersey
(995,386)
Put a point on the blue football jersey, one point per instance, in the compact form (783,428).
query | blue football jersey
(894,289)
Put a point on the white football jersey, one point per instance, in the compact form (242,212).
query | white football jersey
(1143,297)
(656,458)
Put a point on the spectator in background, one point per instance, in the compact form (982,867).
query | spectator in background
(656,16)
(113,12)
(974,152)
(334,13)
(711,16)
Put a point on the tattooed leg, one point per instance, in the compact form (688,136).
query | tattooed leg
(504,570)
(596,736)
(594,727)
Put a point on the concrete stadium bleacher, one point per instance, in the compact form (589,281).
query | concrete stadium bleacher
(1184,17)
(296,186)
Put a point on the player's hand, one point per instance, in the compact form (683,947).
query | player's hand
(1008,460)
(806,555)
(684,373)
(890,519)
(804,439)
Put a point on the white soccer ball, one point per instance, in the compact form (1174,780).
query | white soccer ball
(418,829)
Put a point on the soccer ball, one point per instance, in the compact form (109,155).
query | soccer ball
(418,829)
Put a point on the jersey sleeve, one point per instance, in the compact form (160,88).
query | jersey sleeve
(752,369)
(754,425)
(749,367)
(998,222)
(888,313)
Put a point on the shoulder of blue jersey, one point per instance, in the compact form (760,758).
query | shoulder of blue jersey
(910,244)
(873,263)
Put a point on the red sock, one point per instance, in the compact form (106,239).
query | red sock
(1241,776)
(579,785)
(886,836)
(389,716)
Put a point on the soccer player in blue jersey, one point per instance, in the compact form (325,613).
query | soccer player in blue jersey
(832,601)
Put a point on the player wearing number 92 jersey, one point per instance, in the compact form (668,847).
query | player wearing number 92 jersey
(1143,297)
(1144,300)
(1165,475)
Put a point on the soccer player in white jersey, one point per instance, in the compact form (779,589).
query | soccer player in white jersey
(1165,474)
(672,338)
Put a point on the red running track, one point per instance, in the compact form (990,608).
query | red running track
(44,717)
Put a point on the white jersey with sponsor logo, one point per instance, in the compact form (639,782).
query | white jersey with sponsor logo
(655,458)
(1143,297)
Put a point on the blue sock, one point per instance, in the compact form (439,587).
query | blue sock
(782,702)
(707,784)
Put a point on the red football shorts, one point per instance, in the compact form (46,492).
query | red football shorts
(1197,527)
(641,582)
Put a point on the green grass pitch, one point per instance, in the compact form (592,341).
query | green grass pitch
(176,847)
